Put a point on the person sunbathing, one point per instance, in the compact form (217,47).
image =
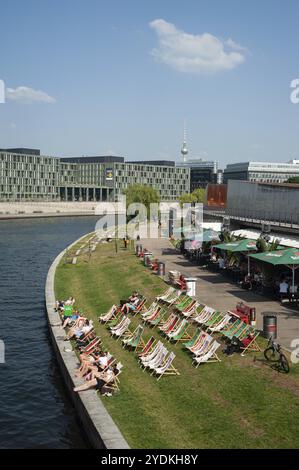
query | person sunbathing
(131,305)
(95,362)
(88,362)
(98,380)
(69,319)
(70,301)
(81,328)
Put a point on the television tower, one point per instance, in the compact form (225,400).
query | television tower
(184,149)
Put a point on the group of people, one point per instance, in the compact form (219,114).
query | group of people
(97,367)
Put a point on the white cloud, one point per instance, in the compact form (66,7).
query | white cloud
(24,94)
(192,53)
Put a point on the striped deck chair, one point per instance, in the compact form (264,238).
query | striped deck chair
(204,315)
(166,294)
(153,315)
(109,315)
(159,352)
(91,346)
(119,324)
(180,333)
(152,308)
(221,324)
(122,330)
(133,339)
(159,318)
(190,310)
(218,316)
(202,347)
(139,307)
(192,340)
(173,297)
(167,368)
(170,327)
(252,346)
(157,361)
(237,331)
(209,356)
(148,346)
(152,353)
(165,324)
(183,302)
(116,318)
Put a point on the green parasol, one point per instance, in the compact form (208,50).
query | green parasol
(288,257)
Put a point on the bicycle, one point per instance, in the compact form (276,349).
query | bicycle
(273,354)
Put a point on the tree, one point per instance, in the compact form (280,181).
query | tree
(293,179)
(186,198)
(200,195)
(263,246)
(138,193)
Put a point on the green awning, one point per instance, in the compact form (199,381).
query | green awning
(289,256)
(238,246)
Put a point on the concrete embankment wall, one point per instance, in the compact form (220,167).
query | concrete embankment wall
(13,210)
(97,424)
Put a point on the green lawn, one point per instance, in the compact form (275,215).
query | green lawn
(239,403)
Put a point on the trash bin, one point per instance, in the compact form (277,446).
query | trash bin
(146,255)
(161,269)
(252,316)
(138,249)
(270,326)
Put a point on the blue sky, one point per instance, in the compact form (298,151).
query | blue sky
(95,77)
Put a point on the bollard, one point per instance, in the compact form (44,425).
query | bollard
(252,316)
(270,326)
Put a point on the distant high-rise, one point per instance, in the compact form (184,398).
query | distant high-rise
(184,149)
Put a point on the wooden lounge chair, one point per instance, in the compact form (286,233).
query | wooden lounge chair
(190,311)
(180,334)
(167,368)
(192,340)
(118,333)
(209,356)
(149,345)
(220,325)
(109,315)
(135,341)
(166,294)
(253,345)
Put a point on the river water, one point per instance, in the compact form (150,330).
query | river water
(35,411)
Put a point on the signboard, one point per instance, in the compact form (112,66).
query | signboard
(109,174)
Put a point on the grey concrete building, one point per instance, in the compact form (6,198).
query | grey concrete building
(265,172)
(277,202)
(26,175)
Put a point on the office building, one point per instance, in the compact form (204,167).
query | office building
(27,175)
(264,172)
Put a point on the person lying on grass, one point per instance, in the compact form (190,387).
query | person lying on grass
(99,380)
(82,327)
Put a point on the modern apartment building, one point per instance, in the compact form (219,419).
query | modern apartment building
(263,172)
(27,175)
(202,172)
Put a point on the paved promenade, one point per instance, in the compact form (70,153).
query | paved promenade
(214,290)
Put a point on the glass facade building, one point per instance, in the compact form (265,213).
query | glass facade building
(26,175)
